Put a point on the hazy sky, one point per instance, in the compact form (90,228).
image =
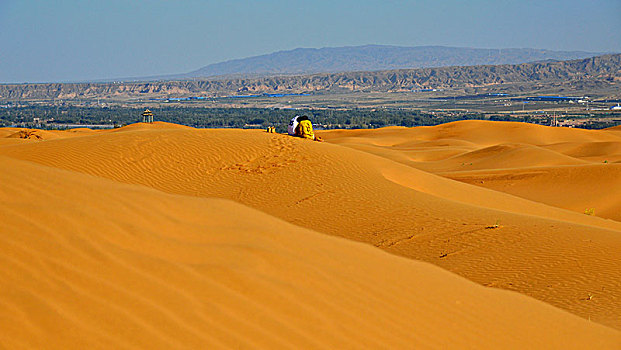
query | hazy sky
(58,40)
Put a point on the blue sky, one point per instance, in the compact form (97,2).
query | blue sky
(71,40)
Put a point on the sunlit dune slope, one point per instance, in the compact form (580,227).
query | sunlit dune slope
(150,126)
(502,156)
(89,263)
(21,135)
(614,128)
(36,134)
(478,132)
(567,259)
(567,168)
(609,151)
(578,188)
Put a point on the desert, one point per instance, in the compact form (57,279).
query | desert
(473,234)
(310,175)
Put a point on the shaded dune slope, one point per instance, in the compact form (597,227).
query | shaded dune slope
(89,263)
(567,259)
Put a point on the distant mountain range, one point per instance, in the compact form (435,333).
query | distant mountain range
(375,58)
(601,72)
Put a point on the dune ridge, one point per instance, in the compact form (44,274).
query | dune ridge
(561,257)
(91,263)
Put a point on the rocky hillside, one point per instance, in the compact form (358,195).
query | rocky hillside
(378,57)
(597,70)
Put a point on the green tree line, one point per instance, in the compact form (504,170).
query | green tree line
(224,117)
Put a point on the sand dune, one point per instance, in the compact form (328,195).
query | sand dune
(476,132)
(578,188)
(39,135)
(9,136)
(590,151)
(500,156)
(565,258)
(566,168)
(91,263)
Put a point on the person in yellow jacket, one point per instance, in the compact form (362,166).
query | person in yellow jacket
(305,130)
(301,126)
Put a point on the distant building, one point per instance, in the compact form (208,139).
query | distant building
(147,116)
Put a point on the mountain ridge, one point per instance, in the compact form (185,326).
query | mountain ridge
(377,57)
(596,71)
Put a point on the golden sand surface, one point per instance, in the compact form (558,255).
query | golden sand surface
(163,236)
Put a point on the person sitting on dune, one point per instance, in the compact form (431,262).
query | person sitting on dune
(301,126)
